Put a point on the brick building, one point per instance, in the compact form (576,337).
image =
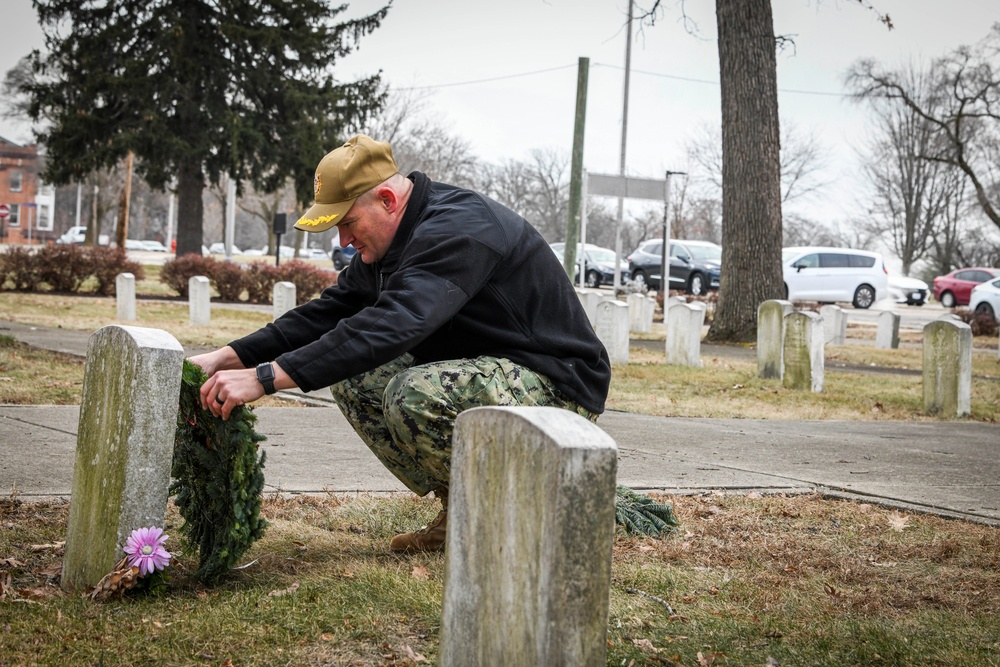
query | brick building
(31,202)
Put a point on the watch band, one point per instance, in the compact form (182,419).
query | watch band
(265,375)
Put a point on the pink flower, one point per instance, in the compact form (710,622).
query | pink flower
(145,550)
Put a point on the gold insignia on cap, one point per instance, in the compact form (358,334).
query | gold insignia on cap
(317,184)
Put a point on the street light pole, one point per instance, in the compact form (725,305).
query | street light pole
(665,250)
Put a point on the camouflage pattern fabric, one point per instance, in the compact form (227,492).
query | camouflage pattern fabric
(406,413)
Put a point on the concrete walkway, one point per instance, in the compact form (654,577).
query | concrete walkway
(950,468)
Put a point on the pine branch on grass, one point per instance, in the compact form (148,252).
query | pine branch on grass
(637,514)
(218,479)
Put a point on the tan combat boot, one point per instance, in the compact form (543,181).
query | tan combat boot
(428,538)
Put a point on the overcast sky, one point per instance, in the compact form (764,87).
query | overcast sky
(503,74)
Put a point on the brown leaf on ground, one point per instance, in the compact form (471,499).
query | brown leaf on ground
(415,657)
(278,593)
(116,582)
(645,645)
(10,562)
(55,546)
(420,572)
(898,522)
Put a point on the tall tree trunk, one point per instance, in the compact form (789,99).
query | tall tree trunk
(190,185)
(751,168)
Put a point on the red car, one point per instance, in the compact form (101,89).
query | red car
(954,288)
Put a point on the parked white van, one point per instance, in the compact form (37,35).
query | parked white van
(834,274)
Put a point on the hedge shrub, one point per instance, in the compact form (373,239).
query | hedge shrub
(177,272)
(66,268)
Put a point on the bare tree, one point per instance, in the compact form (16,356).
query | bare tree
(802,157)
(910,191)
(966,112)
(421,141)
(538,190)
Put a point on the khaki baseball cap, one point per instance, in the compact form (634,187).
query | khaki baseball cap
(342,176)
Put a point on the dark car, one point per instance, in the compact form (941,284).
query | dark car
(599,265)
(694,265)
(953,289)
(341,256)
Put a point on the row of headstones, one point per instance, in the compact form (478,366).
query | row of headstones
(790,347)
(615,320)
(537,595)
(199,299)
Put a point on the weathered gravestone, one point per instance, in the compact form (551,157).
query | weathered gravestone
(887,333)
(684,325)
(589,299)
(640,312)
(771,337)
(199,301)
(803,352)
(125,296)
(612,329)
(834,325)
(530,533)
(283,299)
(124,449)
(947,373)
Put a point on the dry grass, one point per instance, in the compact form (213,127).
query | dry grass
(83,313)
(801,579)
(730,388)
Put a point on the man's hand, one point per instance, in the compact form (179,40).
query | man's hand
(225,358)
(227,389)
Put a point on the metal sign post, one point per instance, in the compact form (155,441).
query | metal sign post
(4,214)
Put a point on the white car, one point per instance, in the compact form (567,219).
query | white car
(834,274)
(220,249)
(985,299)
(154,246)
(911,291)
(79,235)
(134,244)
(312,253)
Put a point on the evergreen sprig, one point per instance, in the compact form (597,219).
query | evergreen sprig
(641,515)
(218,479)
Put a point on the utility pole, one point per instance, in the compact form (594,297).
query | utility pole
(621,169)
(576,169)
(665,250)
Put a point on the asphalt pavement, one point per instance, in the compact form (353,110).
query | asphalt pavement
(949,468)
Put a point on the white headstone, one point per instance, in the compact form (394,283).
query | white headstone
(637,313)
(803,353)
(834,325)
(947,372)
(589,299)
(284,297)
(771,337)
(667,303)
(612,329)
(531,524)
(124,448)
(887,334)
(684,325)
(199,301)
(125,296)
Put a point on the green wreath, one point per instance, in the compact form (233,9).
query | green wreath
(218,479)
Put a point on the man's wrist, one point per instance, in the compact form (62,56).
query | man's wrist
(265,375)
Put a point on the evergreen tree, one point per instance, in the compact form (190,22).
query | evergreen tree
(196,90)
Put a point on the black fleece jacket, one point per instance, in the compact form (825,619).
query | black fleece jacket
(464,277)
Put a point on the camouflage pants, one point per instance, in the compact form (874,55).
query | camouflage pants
(406,413)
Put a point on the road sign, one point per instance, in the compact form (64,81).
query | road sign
(4,211)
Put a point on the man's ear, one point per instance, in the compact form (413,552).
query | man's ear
(386,197)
